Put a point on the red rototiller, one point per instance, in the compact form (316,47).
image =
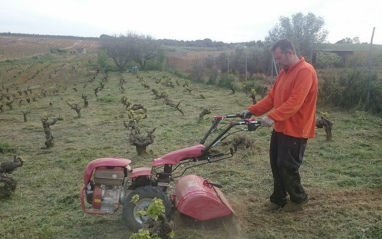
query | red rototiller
(110,182)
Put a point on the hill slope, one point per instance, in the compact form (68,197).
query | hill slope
(16,47)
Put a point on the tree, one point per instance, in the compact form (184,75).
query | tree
(198,70)
(238,61)
(258,60)
(102,58)
(143,49)
(48,134)
(7,183)
(210,61)
(349,40)
(223,62)
(123,49)
(119,49)
(161,58)
(302,30)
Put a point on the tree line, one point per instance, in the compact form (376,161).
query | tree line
(306,32)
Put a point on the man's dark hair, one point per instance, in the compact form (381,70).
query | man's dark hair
(285,46)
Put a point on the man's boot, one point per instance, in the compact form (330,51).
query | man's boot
(294,207)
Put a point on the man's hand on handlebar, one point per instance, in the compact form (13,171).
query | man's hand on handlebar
(266,121)
(246,114)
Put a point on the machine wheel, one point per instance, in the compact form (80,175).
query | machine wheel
(146,195)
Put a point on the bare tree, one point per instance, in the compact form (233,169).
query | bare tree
(135,136)
(118,49)
(144,84)
(173,105)
(198,70)
(144,49)
(48,134)
(96,92)
(125,101)
(9,104)
(203,113)
(253,96)
(75,107)
(140,141)
(25,115)
(188,89)
(8,184)
(324,123)
(122,49)
(86,102)
(160,95)
(232,87)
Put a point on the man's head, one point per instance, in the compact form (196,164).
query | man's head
(284,53)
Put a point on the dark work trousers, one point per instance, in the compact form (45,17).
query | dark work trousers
(286,155)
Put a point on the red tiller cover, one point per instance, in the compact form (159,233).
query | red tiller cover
(194,197)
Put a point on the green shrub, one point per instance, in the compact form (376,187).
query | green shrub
(6,148)
(349,90)
(226,81)
(375,103)
(328,59)
(328,92)
(102,58)
(107,99)
(213,77)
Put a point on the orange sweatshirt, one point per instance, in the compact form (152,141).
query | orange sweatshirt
(293,98)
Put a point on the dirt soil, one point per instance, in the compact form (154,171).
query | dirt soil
(250,214)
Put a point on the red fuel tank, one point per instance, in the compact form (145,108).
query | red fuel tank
(194,196)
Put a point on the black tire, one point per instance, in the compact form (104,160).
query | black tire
(146,195)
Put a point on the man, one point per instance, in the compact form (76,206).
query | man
(293,100)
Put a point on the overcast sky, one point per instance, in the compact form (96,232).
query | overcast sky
(218,20)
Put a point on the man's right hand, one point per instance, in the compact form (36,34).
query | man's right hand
(267,122)
(246,114)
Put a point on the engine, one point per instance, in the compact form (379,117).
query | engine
(106,191)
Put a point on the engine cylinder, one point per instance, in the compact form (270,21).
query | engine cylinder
(108,190)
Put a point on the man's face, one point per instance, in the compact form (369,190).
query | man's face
(282,59)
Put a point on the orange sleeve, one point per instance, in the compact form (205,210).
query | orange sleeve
(299,90)
(264,105)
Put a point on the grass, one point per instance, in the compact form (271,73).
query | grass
(341,176)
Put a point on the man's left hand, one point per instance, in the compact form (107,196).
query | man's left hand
(266,121)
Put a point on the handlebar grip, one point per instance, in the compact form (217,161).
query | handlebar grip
(254,122)
(232,116)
